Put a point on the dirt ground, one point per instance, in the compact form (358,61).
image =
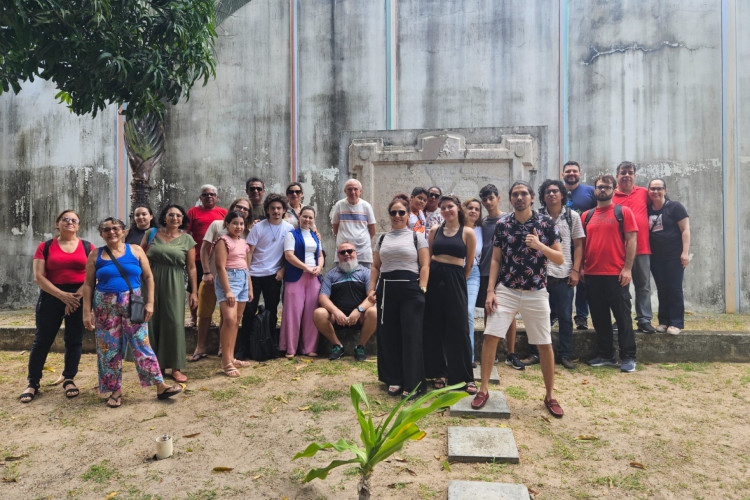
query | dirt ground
(665,431)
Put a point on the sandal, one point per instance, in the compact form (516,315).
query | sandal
(73,391)
(439,383)
(179,377)
(28,397)
(189,324)
(471,388)
(231,371)
(394,390)
(169,392)
(114,401)
(197,357)
(240,364)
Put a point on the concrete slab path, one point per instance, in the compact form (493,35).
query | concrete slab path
(477,490)
(482,444)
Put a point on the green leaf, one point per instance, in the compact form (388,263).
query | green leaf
(322,473)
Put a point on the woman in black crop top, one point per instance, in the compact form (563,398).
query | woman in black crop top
(447,347)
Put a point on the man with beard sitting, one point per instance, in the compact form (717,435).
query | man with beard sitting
(344,303)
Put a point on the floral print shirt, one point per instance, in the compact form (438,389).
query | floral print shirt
(522,267)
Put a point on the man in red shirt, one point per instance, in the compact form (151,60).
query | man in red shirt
(608,259)
(635,198)
(199,219)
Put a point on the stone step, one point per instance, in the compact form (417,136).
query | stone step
(496,407)
(482,444)
(494,376)
(477,490)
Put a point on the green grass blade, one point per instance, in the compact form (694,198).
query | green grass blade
(322,473)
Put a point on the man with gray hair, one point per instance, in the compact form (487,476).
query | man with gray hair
(354,221)
(199,218)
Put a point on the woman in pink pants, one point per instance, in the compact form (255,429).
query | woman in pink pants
(304,257)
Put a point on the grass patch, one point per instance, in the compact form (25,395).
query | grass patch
(516,392)
(319,407)
(631,482)
(225,394)
(203,494)
(100,473)
(330,394)
(250,380)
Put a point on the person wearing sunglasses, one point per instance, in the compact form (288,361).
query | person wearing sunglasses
(106,306)
(200,217)
(295,195)
(353,220)
(398,282)
(59,270)
(431,210)
(344,303)
(256,189)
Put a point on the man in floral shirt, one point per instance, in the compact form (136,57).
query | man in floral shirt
(524,241)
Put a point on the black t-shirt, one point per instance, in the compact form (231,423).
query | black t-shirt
(664,233)
(488,233)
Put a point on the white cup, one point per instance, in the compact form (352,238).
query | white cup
(163,447)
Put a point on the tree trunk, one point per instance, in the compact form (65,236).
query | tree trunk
(144,142)
(364,486)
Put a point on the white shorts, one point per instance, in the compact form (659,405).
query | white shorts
(534,308)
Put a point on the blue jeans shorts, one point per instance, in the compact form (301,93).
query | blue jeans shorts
(238,279)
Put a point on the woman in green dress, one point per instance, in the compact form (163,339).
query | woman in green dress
(171,252)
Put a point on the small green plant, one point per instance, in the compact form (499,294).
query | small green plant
(383,440)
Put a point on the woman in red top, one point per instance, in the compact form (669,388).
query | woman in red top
(59,270)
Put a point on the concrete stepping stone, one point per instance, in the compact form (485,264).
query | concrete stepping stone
(494,376)
(477,490)
(482,444)
(496,407)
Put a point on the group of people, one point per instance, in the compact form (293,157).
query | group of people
(414,287)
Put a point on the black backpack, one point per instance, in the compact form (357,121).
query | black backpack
(259,340)
(618,215)
(48,243)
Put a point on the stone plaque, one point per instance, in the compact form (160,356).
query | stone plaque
(459,162)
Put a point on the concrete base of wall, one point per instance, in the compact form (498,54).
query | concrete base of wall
(694,346)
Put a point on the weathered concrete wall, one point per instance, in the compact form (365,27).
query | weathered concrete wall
(474,63)
(645,85)
(50,161)
(644,82)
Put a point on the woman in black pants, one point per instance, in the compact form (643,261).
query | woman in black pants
(447,345)
(59,270)
(399,271)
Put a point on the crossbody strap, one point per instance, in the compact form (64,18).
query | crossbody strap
(119,268)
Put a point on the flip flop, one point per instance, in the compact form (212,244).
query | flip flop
(114,402)
(73,391)
(439,383)
(169,392)
(197,357)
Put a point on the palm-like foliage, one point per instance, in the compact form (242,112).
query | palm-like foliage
(382,440)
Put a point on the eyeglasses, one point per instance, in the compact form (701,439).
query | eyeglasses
(296,192)
(433,195)
(400,213)
(552,191)
(208,195)
(113,229)
(257,189)
(603,187)
(348,251)
(175,216)
(244,209)
(70,219)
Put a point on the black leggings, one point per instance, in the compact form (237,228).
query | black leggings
(50,312)
(400,312)
(447,347)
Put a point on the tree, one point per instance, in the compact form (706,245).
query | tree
(142,53)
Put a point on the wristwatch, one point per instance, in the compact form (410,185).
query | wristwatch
(359,308)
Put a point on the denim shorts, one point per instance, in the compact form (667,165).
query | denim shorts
(238,284)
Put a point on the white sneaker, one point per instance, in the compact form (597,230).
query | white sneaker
(673,330)
(661,328)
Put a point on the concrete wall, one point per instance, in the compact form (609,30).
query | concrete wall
(643,81)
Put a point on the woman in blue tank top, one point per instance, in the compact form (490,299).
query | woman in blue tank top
(107,293)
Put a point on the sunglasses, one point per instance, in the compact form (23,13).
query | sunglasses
(208,195)
(255,188)
(433,195)
(348,251)
(239,207)
(113,229)
(400,213)
(70,219)
(294,192)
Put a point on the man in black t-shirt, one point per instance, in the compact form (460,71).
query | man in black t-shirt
(344,303)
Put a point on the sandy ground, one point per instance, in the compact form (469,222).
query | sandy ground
(666,431)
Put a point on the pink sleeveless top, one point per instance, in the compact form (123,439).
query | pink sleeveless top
(237,251)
